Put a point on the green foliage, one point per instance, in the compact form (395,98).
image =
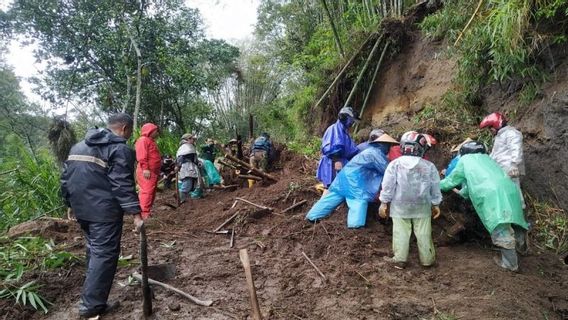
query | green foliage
(550,225)
(29,185)
(502,43)
(23,255)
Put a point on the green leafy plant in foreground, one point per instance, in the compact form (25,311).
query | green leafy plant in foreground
(23,255)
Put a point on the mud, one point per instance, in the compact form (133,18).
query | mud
(359,284)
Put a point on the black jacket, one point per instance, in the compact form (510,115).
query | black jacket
(98,178)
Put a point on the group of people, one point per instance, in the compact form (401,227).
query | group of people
(399,176)
(98,184)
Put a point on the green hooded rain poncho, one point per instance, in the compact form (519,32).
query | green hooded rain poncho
(494,195)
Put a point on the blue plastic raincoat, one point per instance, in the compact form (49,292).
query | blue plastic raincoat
(358,183)
(494,195)
(452,165)
(335,144)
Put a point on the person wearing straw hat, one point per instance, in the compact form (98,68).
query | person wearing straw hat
(357,183)
(446,172)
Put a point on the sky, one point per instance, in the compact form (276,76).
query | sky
(231,20)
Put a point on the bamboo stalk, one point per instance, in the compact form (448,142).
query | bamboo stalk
(333,28)
(191,298)
(362,72)
(372,84)
(345,67)
(469,22)
(248,166)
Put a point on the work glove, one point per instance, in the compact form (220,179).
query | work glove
(146,173)
(514,172)
(338,165)
(435,212)
(384,210)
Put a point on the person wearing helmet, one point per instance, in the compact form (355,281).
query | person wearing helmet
(430,143)
(507,147)
(261,152)
(357,184)
(452,164)
(495,198)
(411,195)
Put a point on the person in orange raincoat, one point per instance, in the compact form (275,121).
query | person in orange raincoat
(148,170)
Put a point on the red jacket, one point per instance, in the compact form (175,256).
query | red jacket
(147,153)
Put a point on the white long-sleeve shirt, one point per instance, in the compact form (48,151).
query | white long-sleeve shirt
(508,149)
(412,186)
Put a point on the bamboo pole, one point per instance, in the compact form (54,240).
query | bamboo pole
(191,298)
(372,84)
(469,22)
(333,28)
(345,67)
(243,255)
(362,72)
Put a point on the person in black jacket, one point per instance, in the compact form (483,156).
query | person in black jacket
(98,185)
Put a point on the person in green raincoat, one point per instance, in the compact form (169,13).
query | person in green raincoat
(495,197)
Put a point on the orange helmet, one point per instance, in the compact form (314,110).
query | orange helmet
(430,140)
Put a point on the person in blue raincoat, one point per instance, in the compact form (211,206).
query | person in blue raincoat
(454,162)
(337,147)
(357,184)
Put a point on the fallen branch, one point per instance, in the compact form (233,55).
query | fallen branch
(251,168)
(227,164)
(226,221)
(292,207)
(191,298)
(469,22)
(254,204)
(232,242)
(313,265)
(248,176)
(231,186)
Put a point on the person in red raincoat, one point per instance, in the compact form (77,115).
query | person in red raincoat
(148,170)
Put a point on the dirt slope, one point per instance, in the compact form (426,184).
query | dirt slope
(359,284)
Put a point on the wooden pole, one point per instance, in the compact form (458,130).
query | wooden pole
(254,204)
(248,176)
(248,166)
(243,254)
(345,67)
(191,298)
(335,34)
(146,293)
(369,58)
(371,85)
(251,127)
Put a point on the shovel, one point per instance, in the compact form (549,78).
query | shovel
(146,293)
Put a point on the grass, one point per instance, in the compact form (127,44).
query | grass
(550,229)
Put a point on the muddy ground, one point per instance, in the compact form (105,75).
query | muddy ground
(358,284)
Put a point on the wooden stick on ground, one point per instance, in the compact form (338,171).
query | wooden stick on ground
(191,298)
(227,164)
(243,254)
(248,166)
(227,221)
(249,176)
(294,206)
(232,243)
(313,265)
(254,204)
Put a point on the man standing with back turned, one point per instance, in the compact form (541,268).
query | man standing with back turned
(98,185)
